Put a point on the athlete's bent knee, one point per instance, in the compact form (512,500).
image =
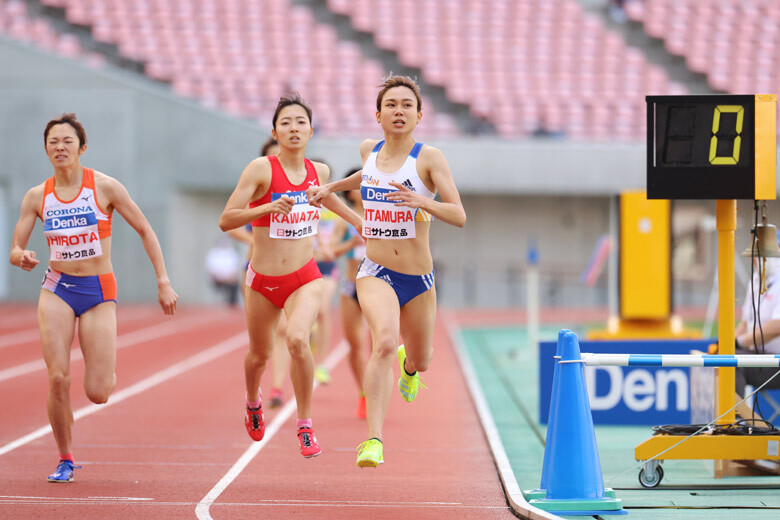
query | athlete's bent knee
(99,393)
(298,343)
(59,383)
(421,364)
(386,347)
(257,359)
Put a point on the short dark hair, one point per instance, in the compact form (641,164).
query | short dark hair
(68,118)
(293,98)
(398,81)
(267,146)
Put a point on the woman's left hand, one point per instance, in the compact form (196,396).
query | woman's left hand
(405,197)
(167,298)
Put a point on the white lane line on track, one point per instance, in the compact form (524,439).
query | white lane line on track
(22,336)
(125,340)
(204,356)
(11,498)
(147,502)
(511,488)
(33,335)
(202,509)
(19,317)
(147,463)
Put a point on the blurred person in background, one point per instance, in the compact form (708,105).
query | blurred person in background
(326,262)
(747,338)
(282,273)
(223,265)
(352,321)
(76,207)
(395,286)
(280,359)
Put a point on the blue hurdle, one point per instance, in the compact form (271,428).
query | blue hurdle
(679,360)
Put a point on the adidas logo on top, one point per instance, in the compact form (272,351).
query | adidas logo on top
(408,184)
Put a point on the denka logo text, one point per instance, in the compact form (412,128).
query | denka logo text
(639,389)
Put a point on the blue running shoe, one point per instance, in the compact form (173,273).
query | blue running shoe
(64,472)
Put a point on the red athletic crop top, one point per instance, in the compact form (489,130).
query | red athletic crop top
(281,184)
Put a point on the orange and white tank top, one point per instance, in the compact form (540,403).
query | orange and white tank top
(74,228)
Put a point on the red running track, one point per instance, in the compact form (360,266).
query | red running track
(170,442)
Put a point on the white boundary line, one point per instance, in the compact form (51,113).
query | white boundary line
(15,499)
(296,504)
(33,334)
(202,357)
(125,340)
(202,509)
(512,490)
(19,337)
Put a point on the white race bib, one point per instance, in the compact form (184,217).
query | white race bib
(383,218)
(301,222)
(72,236)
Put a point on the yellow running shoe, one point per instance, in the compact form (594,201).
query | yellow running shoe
(408,385)
(370,454)
(322,375)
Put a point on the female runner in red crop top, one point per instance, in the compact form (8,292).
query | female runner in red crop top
(282,271)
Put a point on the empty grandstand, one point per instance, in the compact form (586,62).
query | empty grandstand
(538,104)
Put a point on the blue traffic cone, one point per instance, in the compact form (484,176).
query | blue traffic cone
(542,491)
(574,482)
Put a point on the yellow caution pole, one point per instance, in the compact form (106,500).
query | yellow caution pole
(726,215)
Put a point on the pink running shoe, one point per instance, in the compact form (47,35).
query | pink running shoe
(255,426)
(308,443)
(276,398)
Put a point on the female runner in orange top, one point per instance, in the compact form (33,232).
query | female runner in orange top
(76,206)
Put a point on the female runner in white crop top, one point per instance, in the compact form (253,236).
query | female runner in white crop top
(395,282)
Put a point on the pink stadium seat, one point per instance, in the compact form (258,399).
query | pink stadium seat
(77,14)
(709,45)
(68,45)
(556,60)
(15,22)
(573,56)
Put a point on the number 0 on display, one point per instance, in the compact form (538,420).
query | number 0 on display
(721,146)
(726,134)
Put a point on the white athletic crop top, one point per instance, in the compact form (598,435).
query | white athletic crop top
(73,228)
(383,218)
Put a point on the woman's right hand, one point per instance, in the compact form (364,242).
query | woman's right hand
(282,206)
(316,194)
(27,260)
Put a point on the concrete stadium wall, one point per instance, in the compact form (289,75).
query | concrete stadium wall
(180,162)
(138,132)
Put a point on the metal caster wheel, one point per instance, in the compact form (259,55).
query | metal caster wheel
(651,475)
